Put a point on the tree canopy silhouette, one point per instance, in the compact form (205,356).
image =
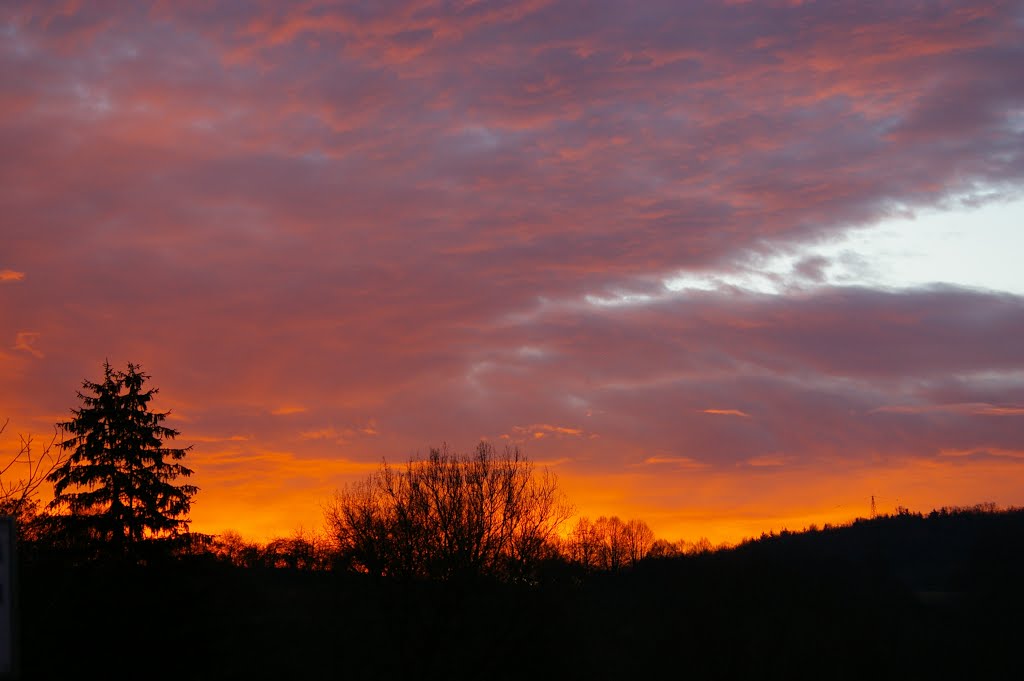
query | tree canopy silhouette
(609,543)
(451,516)
(118,481)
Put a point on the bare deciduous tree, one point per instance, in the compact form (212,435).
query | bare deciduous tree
(21,477)
(584,543)
(612,551)
(663,548)
(639,539)
(231,547)
(701,546)
(300,551)
(608,543)
(450,516)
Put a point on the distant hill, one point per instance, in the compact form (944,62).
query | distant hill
(905,596)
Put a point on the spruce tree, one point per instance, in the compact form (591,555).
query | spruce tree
(118,482)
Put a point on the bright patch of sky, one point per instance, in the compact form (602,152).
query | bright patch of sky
(977,248)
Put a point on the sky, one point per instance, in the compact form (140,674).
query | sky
(728,267)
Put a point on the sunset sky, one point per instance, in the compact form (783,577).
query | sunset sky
(725,266)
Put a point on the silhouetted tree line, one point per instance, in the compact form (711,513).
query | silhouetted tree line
(916,596)
(300,551)
(609,543)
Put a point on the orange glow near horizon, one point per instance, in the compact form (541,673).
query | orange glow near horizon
(726,507)
(265,494)
(270,494)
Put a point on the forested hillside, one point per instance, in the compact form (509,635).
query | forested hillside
(904,596)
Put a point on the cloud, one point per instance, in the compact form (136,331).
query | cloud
(321,434)
(288,410)
(974,409)
(674,461)
(976,454)
(26,341)
(210,439)
(540,430)
(341,436)
(400,224)
(258,467)
(767,461)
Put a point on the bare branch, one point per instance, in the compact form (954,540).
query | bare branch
(450,516)
(23,474)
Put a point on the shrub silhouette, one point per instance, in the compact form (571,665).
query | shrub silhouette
(450,516)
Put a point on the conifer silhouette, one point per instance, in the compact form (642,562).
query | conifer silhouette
(118,479)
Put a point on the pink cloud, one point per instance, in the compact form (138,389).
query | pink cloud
(26,341)
(288,410)
(969,408)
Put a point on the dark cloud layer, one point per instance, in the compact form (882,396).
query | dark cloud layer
(337,231)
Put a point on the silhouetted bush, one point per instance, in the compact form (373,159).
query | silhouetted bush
(450,516)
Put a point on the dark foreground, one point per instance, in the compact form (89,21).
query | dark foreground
(901,597)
